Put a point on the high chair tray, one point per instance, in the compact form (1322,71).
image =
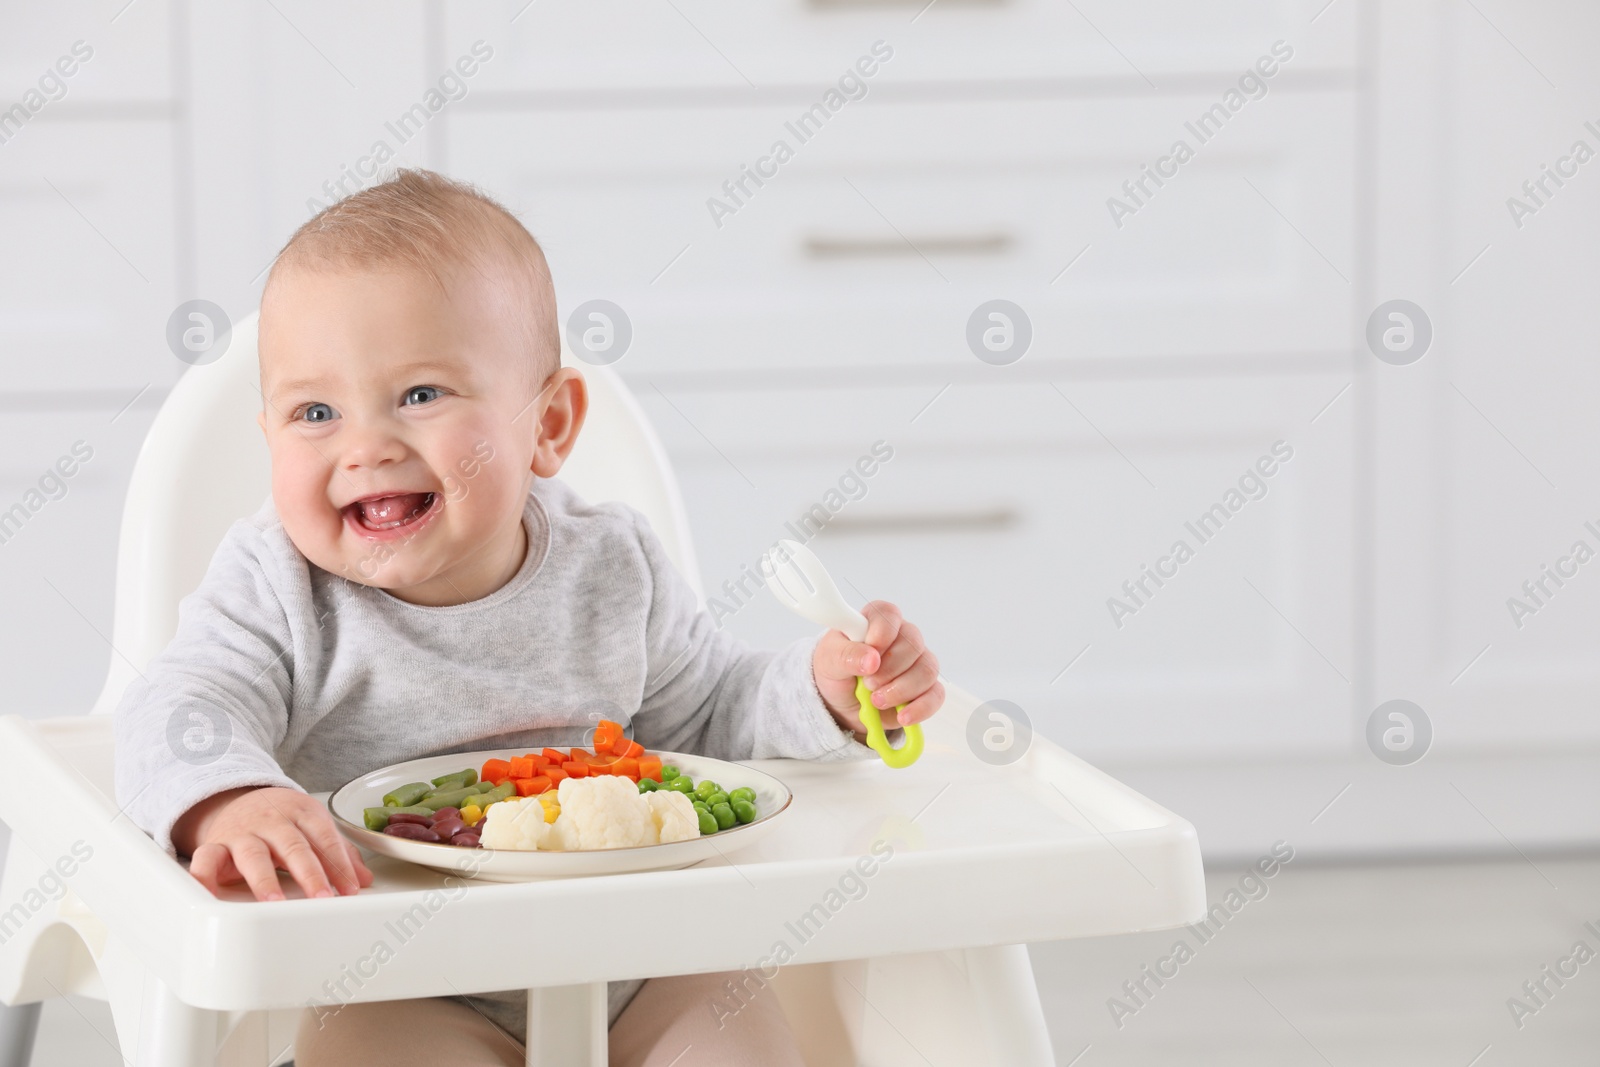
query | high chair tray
(869,861)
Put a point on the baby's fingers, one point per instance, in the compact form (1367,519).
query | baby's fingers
(295,854)
(363,872)
(211,863)
(337,860)
(917,710)
(253,859)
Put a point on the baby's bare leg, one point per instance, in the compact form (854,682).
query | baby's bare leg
(385,1033)
(698,1014)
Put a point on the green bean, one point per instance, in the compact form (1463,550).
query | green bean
(452,799)
(407,795)
(458,780)
(744,811)
(414,809)
(494,795)
(376,818)
(724,816)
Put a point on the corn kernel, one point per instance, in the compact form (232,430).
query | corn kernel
(471,814)
(552,812)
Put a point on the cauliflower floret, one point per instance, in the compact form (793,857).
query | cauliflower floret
(673,814)
(515,824)
(601,812)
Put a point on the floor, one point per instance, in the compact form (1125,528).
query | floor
(1373,965)
(1320,965)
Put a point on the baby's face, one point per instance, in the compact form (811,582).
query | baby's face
(402,444)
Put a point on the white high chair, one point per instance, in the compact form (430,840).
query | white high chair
(929,966)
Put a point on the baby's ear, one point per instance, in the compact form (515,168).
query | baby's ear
(560,421)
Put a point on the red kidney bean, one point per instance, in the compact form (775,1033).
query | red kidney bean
(467,839)
(448,828)
(446,813)
(410,830)
(406,816)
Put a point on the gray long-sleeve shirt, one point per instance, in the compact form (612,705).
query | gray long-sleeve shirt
(283,674)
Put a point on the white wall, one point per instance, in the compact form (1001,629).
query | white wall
(829,311)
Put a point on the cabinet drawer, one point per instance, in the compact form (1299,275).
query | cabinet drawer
(697,44)
(128,66)
(883,234)
(90,310)
(1007,553)
(53,640)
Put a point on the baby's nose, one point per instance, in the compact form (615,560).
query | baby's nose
(372,446)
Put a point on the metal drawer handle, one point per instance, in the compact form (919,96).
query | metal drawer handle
(838,5)
(971,244)
(924,522)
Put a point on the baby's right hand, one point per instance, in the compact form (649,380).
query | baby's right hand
(247,834)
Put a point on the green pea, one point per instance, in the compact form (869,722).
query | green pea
(708,823)
(744,811)
(681,784)
(744,792)
(700,805)
(669,772)
(706,788)
(719,797)
(724,816)
(648,785)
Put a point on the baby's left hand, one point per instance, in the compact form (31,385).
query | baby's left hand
(893,659)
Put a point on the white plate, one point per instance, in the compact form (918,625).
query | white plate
(501,865)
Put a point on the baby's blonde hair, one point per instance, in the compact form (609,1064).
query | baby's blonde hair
(424,221)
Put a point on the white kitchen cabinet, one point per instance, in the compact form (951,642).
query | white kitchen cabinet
(829,311)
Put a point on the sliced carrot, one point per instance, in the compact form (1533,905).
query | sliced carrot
(555,756)
(626,746)
(495,770)
(521,767)
(627,767)
(530,787)
(555,774)
(581,753)
(575,769)
(606,734)
(650,767)
(601,763)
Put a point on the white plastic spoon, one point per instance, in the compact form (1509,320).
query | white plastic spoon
(802,584)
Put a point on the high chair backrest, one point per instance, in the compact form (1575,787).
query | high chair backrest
(205,464)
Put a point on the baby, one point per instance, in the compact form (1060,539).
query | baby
(420,583)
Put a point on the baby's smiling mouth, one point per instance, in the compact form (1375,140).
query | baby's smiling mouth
(391,511)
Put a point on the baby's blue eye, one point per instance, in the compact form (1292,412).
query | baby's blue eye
(428,392)
(318,412)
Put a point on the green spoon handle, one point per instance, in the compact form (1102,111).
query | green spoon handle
(878,741)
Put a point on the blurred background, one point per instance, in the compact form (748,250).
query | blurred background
(1369,269)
